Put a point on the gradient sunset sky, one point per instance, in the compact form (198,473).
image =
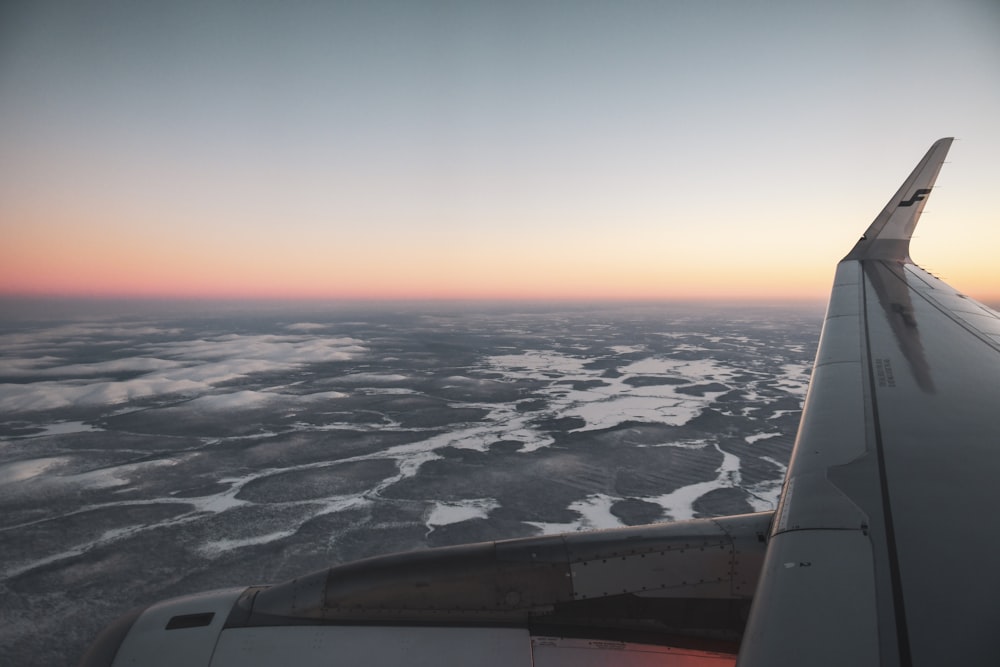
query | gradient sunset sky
(581,150)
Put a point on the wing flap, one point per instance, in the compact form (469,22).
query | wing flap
(813,582)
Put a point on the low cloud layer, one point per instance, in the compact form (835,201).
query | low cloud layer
(186,367)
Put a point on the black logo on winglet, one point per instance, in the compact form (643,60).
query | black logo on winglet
(917,196)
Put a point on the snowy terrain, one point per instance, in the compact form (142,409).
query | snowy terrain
(145,457)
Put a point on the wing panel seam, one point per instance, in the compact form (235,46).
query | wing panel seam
(902,634)
(982,336)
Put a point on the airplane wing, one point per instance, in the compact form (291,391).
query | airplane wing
(881,551)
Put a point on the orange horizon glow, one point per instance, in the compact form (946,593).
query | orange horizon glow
(124,252)
(207,285)
(29,267)
(430,278)
(60,255)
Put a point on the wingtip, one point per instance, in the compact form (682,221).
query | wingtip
(888,237)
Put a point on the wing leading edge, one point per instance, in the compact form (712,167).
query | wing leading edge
(879,554)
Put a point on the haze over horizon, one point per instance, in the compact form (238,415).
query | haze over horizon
(479,151)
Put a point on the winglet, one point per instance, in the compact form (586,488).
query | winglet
(888,237)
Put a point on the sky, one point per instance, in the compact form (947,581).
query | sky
(693,150)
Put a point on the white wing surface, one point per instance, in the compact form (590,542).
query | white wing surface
(883,547)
